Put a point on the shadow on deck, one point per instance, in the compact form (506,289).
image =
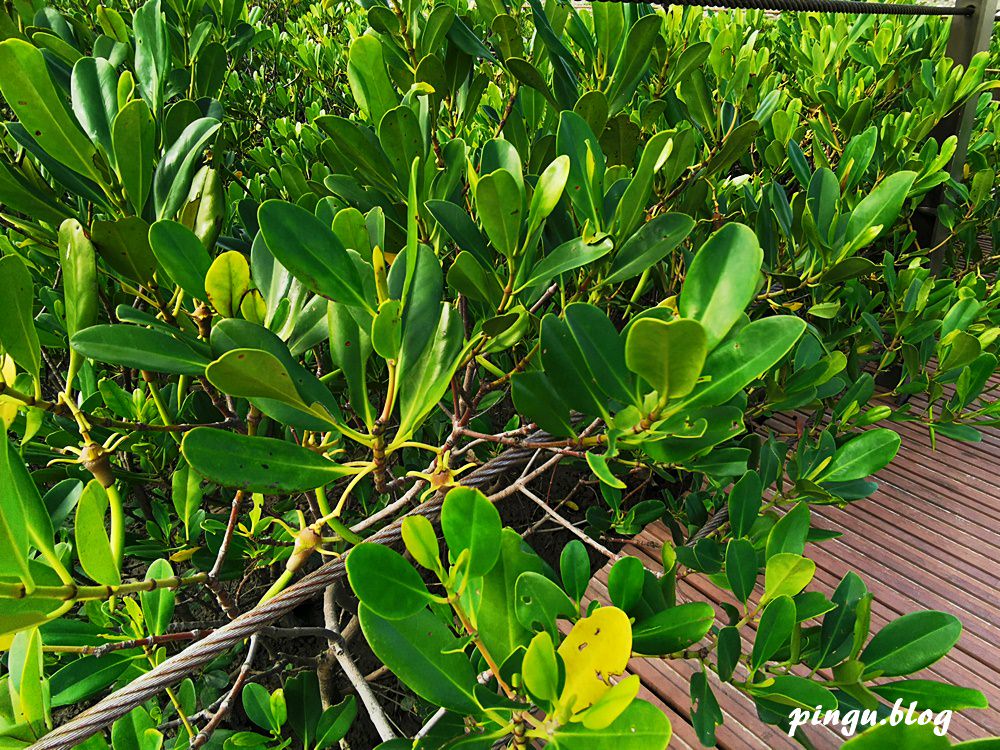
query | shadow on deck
(929,538)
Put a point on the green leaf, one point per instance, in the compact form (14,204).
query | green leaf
(574,569)
(908,737)
(311,252)
(754,350)
(911,643)
(186,495)
(40,108)
(17,326)
(610,706)
(499,207)
(599,465)
(139,348)
(673,629)
(625,582)
(790,533)
(427,380)
(569,255)
(91,537)
(741,568)
(632,205)
(471,522)
(77,259)
(931,695)
(540,669)
(257,464)
(422,652)
(744,503)
(29,690)
(334,722)
(158,605)
(548,191)
(94,87)
(133,139)
(232,333)
(728,652)
(499,627)
(469,277)
(722,280)
(641,726)
(385,582)
(575,139)
(152,52)
(421,541)
(83,678)
(668,356)
(257,704)
(368,79)
(880,208)
(861,456)
(633,60)
(775,629)
(535,396)
(603,349)
(649,245)
(172,178)
(124,245)
(797,692)
(227,281)
(23,518)
(786,574)
(182,256)
(539,603)
(387,333)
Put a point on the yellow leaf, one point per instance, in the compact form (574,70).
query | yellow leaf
(184,554)
(595,650)
(227,281)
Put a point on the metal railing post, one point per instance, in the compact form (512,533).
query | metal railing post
(969,35)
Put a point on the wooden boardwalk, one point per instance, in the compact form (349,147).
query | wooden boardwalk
(929,538)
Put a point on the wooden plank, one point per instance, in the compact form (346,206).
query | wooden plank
(928,538)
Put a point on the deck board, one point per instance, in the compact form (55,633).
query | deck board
(929,538)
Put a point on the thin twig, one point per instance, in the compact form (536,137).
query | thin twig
(206,733)
(338,652)
(592,543)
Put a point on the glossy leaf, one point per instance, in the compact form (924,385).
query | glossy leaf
(668,356)
(861,456)
(139,348)
(673,629)
(30,93)
(911,643)
(257,464)
(722,280)
(17,327)
(311,252)
(227,281)
(786,574)
(93,546)
(747,355)
(774,630)
(650,244)
(641,726)
(385,582)
(182,257)
(158,605)
(471,522)
(79,264)
(424,654)
(133,139)
(124,245)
